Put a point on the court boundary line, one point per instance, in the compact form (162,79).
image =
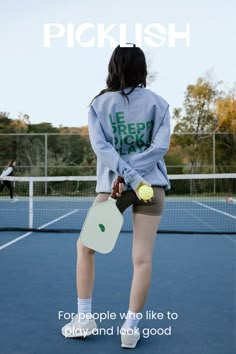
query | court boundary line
(39,228)
(221,212)
(229,238)
(217,210)
(200,220)
(209,225)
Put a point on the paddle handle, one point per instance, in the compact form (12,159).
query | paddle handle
(115,188)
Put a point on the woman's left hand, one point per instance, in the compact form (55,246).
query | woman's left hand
(143,183)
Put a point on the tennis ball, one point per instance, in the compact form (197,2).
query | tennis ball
(145,192)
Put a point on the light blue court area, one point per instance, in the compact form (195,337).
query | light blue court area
(209,215)
(193,279)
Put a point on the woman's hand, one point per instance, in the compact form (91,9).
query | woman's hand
(121,187)
(137,190)
(121,190)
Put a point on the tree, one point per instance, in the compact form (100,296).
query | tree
(7,142)
(226,123)
(199,119)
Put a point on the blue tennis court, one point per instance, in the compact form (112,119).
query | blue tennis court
(191,303)
(193,280)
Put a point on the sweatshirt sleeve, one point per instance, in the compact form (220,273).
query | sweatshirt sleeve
(146,160)
(7,172)
(107,154)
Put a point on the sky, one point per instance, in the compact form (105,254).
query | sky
(56,84)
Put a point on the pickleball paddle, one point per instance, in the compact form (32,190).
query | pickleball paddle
(103,223)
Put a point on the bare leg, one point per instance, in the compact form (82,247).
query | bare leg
(85,281)
(85,271)
(145,229)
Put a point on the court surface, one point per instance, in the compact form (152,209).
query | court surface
(193,277)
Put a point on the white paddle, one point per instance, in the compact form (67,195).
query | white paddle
(103,223)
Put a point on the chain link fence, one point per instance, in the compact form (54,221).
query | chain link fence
(70,154)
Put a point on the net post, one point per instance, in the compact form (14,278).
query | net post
(214,159)
(46,161)
(31,194)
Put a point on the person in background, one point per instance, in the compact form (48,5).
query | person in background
(7,172)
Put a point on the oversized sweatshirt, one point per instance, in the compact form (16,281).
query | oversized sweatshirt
(130,138)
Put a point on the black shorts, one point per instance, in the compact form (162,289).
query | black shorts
(154,207)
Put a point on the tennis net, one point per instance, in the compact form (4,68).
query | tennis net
(204,203)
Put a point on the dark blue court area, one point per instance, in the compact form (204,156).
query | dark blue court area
(193,279)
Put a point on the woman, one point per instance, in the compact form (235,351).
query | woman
(7,172)
(129,129)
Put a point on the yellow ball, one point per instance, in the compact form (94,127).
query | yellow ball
(145,192)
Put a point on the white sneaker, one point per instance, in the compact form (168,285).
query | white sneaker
(14,200)
(130,337)
(76,329)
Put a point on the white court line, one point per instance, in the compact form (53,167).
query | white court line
(217,210)
(39,228)
(221,212)
(231,239)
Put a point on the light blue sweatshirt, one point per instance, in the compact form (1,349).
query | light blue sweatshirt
(130,138)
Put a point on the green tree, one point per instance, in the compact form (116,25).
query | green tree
(226,124)
(198,118)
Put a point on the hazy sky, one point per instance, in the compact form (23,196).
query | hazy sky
(57,84)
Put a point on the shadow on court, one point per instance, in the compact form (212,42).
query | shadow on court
(193,278)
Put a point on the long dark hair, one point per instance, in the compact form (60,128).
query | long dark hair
(127,68)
